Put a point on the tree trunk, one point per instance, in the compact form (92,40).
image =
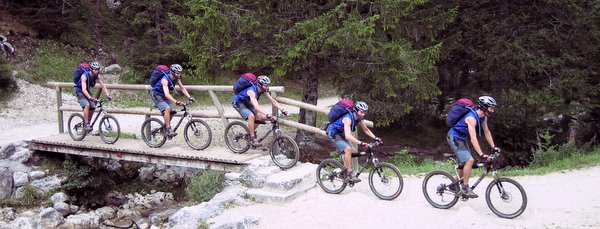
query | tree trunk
(310,94)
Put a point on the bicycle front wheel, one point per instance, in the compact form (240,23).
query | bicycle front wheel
(109,129)
(386,181)
(197,134)
(284,152)
(506,198)
(153,132)
(330,176)
(440,188)
(237,137)
(76,127)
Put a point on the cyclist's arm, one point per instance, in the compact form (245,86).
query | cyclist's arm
(165,85)
(348,131)
(183,90)
(103,86)
(273,101)
(254,102)
(471,123)
(487,133)
(84,87)
(366,130)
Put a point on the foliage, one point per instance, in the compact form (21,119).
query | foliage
(7,83)
(30,195)
(356,42)
(87,184)
(203,186)
(54,62)
(9,203)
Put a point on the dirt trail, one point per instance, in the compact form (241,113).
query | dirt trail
(558,200)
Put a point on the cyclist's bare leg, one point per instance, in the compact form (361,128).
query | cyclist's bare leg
(251,125)
(167,116)
(348,158)
(86,114)
(466,172)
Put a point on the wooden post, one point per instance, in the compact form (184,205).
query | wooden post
(219,107)
(274,109)
(61,127)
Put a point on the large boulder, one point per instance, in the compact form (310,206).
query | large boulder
(6,183)
(48,184)
(20,179)
(50,218)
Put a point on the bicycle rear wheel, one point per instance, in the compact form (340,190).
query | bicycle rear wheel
(330,176)
(439,188)
(237,137)
(386,181)
(153,132)
(109,129)
(284,152)
(506,198)
(197,134)
(76,127)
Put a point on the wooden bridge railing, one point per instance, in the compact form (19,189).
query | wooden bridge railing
(211,89)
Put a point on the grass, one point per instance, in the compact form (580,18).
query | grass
(574,161)
(203,186)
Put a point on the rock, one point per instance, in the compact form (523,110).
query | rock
(255,177)
(85,220)
(21,155)
(168,176)
(18,193)
(246,221)
(36,175)
(48,184)
(74,208)
(115,198)
(20,179)
(24,223)
(59,197)
(105,213)
(50,218)
(7,150)
(113,68)
(9,214)
(182,218)
(147,173)
(6,183)
(63,208)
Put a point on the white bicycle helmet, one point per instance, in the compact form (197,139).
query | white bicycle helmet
(263,80)
(487,101)
(361,106)
(95,65)
(176,68)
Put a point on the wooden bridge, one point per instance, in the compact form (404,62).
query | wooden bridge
(175,153)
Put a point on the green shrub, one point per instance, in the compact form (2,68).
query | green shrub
(87,184)
(7,83)
(203,186)
(54,62)
(30,195)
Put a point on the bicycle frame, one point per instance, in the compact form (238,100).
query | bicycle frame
(186,115)
(489,167)
(371,158)
(101,111)
(274,129)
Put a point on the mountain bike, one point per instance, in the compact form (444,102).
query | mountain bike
(284,150)
(385,179)
(108,129)
(197,133)
(504,196)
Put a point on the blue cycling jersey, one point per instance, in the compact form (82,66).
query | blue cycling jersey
(461,130)
(158,87)
(242,96)
(337,127)
(91,81)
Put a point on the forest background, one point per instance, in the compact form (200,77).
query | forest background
(409,60)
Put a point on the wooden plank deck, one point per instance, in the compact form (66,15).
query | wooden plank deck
(176,153)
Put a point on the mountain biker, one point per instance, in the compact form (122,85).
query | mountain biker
(161,95)
(466,129)
(84,95)
(246,103)
(340,135)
